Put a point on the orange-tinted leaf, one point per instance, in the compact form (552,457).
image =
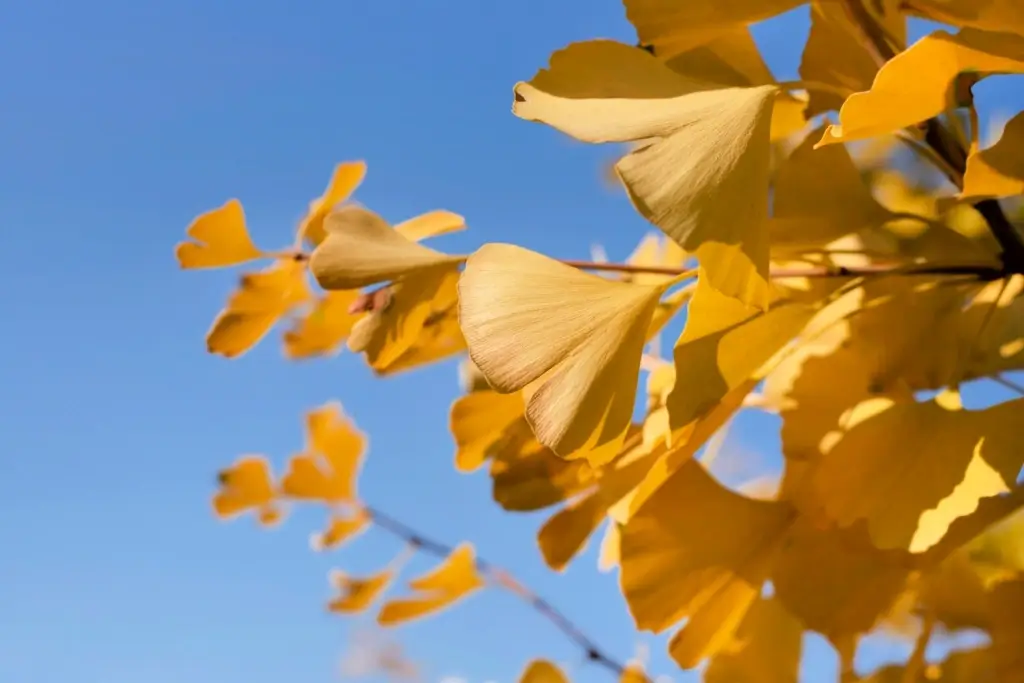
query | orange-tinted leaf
(221,239)
(341,530)
(542,671)
(346,178)
(247,486)
(454,579)
(327,470)
(322,330)
(356,594)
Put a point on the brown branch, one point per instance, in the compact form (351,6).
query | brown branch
(504,579)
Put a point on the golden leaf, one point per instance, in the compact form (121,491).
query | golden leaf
(346,178)
(959,666)
(998,171)
(341,530)
(633,673)
(917,84)
(672,27)
(990,15)
(655,251)
(431,224)
(221,239)
(478,420)
(724,344)
(911,469)
(324,328)
(326,471)
(261,300)
(245,486)
(440,338)
(356,594)
(542,671)
(362,249)
(1007,604)
(526,476)
(701,174)
(836,53)
(695,549)
(454,579)
(572,340)
(765,649)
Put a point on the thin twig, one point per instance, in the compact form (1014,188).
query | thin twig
(505,580)
(1008,383)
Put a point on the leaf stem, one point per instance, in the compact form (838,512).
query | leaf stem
(508,582)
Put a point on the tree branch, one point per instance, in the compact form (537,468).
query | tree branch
(505,580)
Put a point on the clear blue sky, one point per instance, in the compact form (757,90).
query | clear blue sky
(119,122)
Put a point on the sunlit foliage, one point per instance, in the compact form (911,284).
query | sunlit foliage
(850,289)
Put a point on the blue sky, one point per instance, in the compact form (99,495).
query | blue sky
(123,120)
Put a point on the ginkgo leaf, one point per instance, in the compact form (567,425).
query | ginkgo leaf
(655,251)
(453,580)
(991,15)
(362,249)
(322,330)
(571,339)
(998,171)
(701,174)
(724,344)
(221,239)
(837,55)
(247,486)
(356,594)
(431,224)
(673,27)
(765,648)
(526,476)
(340,530)
(911,469)
(261,300)
(695,549)
(1006,601)
(542,671)
(478,421)
(633,673)
(439,338)
(918,83)
(346,178)
(327,470)
(834,581)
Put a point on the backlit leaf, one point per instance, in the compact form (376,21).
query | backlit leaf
(701,174)
(454,579)
(431,224)
(918,83)
(340,530)
(765,648)
(221,239)
(542,671)
(355,594)
(571,339)
(247,486)
(324,328)
(477,422)
(326,470)
(991,15)
(346,178)
(998,171)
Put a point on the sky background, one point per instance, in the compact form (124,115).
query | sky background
(119,122)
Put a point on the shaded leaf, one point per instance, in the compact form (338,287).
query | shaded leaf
(765,648)
(322,330)
(542,671)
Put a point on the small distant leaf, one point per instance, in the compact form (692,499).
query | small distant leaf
(247,486)
(571,339)
(340,530)
(221,239)
(357,594)
(998,171)
(261,300)
(362,249)
(542,671)
(346,178)
(454,579)
(696,550)
(431,224)
(322,330)
(326,471)
(917,84)
(701,174)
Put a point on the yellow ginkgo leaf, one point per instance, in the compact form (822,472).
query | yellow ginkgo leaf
(701,174)
(724,344)
(327,470)
(245,486)
(991,15)
(912,468)
(221,239)
(478,422)
(542,671)
(356,594)
(1006,601)
(526,476)
(431,224)
(918,83)
(322,330)
(421,297)
(765,649)
(571,339)
(341,530)
(696,550)
(362,249)
(261,300)
(672,27)
(440,338)
(454,579)
(347,177)
(655,251)
(998,171)
(836,54)
(834,581)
